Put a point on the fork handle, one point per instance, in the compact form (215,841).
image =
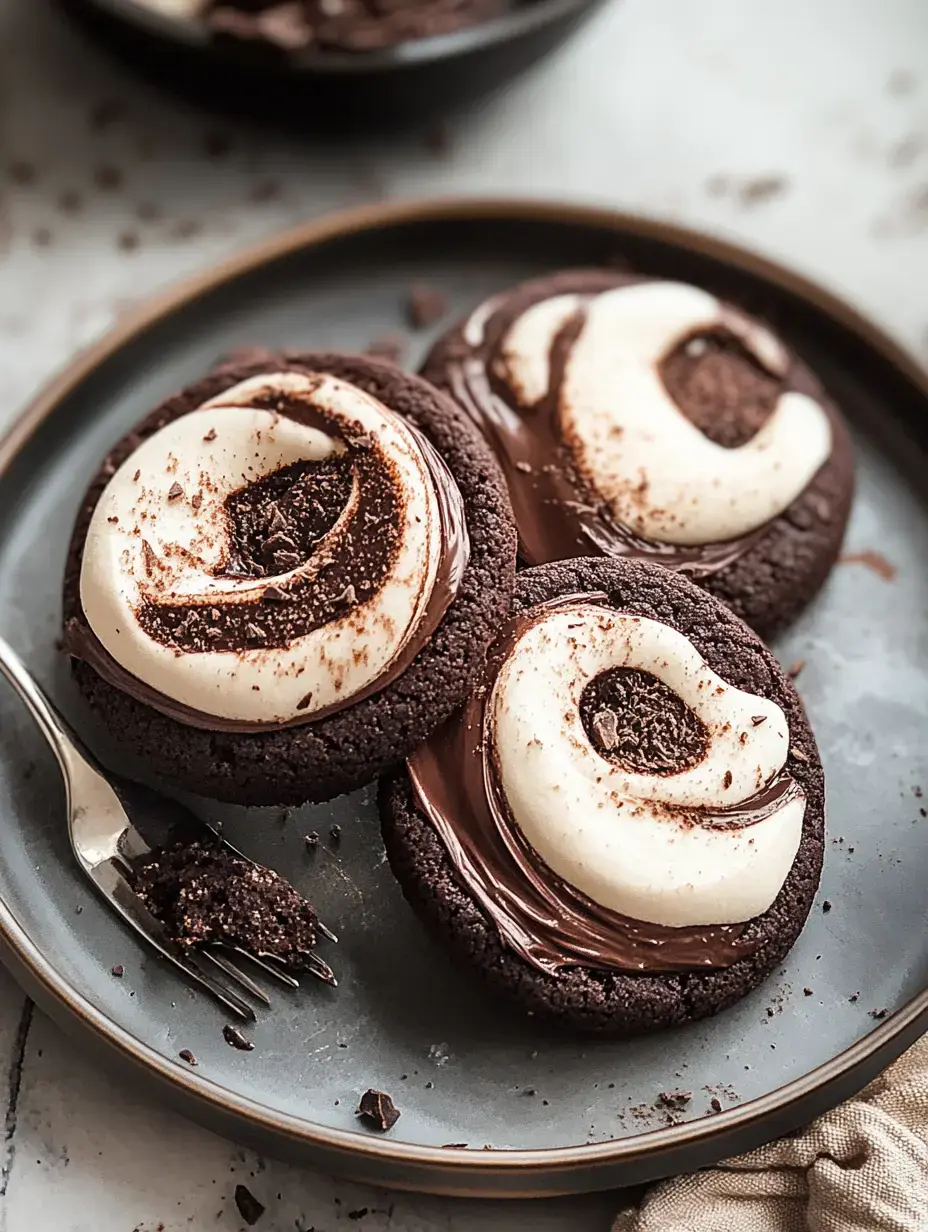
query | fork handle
(64,743)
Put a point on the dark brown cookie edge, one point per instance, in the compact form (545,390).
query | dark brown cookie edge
(320,760)
(584,999)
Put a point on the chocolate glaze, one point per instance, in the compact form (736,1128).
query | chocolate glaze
(346,568)
(557,514)
(545,920)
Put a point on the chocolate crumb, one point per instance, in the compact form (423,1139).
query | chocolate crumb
(235,1039)
(69,201)
(304,701)
(312,839)
(429,1086)
(757,719)
(529,1091)
(727,780)
(796,668)
(379,1109)
(425,306)
(878,1013)
(453,1146)
(118,970)
(826,905)
(186,1055)
(248,1205)
(175,491)
(135,477)
(196,500)
(78,909)
(335,834)
(211,435)
(391,346)
(770,1011)
(715,1104)
(358,1214)
(855,996)
(807,992)
(21,172)
(675,1099)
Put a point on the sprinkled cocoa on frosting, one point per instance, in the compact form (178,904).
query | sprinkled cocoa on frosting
(588,845)
(277,554)
(642,419)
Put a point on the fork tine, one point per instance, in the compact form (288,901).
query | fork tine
(267,966)
(326,932)
(233,972)
(321,970)
(315,966)
(112,884)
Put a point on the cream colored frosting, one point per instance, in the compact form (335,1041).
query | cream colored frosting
(658,474)
(211,453)
(633,842)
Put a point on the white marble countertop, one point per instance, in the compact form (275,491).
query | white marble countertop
(799,128)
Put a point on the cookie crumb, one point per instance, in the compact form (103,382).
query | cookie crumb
(118,970)
(186,1055)
(235,1039)
(248,1205)
(796,669)
(378,1108)
(807,992)
(878,1013)
(826,905)
(425,306)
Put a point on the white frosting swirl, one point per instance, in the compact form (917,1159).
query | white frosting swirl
(657,473)
(147,546)
(634,842)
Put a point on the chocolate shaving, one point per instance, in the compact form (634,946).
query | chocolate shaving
(211,435)
(135,477)
(379,1109)
(248,1205)
(175,491)
(605,729)
(757,719)
(150,557)
(235,1039)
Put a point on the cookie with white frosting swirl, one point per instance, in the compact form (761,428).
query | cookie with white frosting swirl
(286,576)
(623,827)
(650,419)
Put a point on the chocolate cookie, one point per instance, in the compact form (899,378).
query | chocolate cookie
(287,576)
(623,827)
(647,419)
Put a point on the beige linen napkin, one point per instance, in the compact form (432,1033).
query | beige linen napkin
(861,1168)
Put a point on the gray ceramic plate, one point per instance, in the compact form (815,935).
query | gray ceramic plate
(559,1113)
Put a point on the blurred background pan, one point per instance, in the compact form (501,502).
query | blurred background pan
(321,90)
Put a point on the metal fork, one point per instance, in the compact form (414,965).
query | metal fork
(104,814)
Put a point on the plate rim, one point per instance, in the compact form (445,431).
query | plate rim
(441,1169)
